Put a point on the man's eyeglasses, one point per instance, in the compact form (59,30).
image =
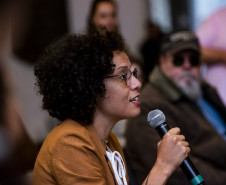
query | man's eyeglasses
(126,76)
(179,60)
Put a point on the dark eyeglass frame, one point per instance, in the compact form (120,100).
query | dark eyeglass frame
(179,60)
(126,77)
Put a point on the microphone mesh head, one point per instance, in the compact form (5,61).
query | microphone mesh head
(156,117)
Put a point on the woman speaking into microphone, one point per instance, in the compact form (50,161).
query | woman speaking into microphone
(86,82)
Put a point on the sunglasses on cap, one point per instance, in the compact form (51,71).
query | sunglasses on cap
(179,60)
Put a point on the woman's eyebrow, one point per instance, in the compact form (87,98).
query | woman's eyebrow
(122,68)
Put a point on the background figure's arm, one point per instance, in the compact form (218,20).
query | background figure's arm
(212,56)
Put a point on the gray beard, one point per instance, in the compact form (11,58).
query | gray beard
(191,89)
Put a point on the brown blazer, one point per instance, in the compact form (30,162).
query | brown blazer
(73,154)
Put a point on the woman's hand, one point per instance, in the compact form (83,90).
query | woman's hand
(172,150)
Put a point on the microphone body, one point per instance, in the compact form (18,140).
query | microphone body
(157,120)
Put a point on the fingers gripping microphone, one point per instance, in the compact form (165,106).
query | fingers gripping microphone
(156,119)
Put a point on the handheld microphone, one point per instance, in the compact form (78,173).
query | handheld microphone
(156,119)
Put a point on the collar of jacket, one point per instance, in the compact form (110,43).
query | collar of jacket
(165,85)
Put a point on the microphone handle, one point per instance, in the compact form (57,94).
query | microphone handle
(187,166)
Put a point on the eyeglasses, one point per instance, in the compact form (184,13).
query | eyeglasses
(126,76)
(179,60)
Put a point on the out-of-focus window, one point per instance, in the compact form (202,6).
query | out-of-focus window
(201,9)
(160,14)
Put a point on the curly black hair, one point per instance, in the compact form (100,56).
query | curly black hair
(71,71)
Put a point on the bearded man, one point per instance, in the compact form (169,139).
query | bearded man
(176,88)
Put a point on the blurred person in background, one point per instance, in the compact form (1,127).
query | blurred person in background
(103,13)
(150,48)
(176,88)
(211,34)
(17,150)
(35,24)
(23,29)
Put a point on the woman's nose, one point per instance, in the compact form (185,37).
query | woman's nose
(135,83)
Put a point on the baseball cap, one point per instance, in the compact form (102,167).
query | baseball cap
(179,41)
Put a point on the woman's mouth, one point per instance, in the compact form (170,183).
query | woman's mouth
(135,101)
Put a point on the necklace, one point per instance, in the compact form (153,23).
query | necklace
(104,141)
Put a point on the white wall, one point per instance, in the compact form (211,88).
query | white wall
(132,17)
